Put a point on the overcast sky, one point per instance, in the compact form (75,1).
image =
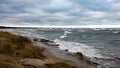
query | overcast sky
(59,12)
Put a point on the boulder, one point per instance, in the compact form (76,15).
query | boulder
(35,39)
(66,49)
(118,58)
(44,40)
(79,55)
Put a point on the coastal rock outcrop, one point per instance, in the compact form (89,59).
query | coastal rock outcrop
(46,41)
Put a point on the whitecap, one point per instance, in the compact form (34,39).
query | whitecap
(74,47)
(115,32)
(65,34)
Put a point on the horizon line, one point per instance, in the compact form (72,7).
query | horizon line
(82,26)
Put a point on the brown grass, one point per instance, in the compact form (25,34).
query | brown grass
(15,46)
(9,62)
(59,65)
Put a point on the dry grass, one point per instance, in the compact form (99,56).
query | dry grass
(15,46)
(59,65)
(9,62)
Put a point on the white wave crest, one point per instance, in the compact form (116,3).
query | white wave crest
(115,32)
(65,34)
(77,47)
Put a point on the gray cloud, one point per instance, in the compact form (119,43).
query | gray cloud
(59,12)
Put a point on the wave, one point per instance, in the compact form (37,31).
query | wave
(115,32)
(74,47)
(65,34)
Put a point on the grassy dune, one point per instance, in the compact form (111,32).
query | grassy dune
(19,46)
(15,47)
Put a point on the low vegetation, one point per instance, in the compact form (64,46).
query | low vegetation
(9,62)
(59,65)
(13,47)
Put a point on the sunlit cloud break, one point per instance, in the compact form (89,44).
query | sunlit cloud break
(59,12)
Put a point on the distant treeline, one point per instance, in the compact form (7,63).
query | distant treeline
(5,27)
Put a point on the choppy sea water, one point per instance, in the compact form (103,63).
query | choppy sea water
(101,45)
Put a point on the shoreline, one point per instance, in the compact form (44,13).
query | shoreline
(57,54)
(18,51)
(101,62)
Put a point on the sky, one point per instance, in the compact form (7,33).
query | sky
(59,12)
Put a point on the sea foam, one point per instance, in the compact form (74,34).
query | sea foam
(74,47)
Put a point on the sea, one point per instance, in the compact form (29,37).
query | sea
(101,45)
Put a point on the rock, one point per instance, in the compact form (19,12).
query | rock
(118,58)
(79,55)
(95,63)
(66,49)
(35,39)
(88,61)
(47,42)
(44,40)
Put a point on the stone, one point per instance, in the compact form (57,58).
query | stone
(44,40)
(79,55)
(35,39)
(66,49)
